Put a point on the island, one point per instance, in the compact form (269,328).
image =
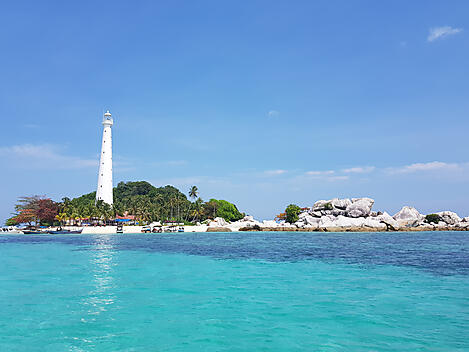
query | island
(141,207)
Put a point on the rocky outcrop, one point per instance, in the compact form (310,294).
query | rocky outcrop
(218,222)
(218,229)
(408,217)
(246,222)
(389,221)
(351,215)
(449,217)
(322,205)
(341,204)
(360,207)
(408,214)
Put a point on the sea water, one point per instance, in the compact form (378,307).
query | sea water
(235,292)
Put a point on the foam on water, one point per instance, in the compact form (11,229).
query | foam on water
(235,292)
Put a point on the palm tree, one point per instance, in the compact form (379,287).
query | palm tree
(196,214)
(61,218)
(193,192)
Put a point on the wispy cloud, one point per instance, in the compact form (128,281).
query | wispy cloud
(442,32)
(326,175)
(425,167)
(273,113)
(43,156)
(275,172)
(319,176)
(433,166)
(359,170)
(320,173)
(338,178)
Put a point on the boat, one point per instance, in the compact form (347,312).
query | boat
(60,231)
(146,229)
(10,229)
(32,232)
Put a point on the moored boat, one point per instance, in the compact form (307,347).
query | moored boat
(64,232)
(32,232)
(10,229)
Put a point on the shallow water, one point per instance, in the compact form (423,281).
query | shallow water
(235,292)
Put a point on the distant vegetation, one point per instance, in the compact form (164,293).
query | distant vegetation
(225,210)
(291,213)
(34,210)
(141,199)
(435,218)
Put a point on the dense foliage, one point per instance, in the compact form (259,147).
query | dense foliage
(226,210)
(433,218)
(35,209)
(292,212)
(138,199)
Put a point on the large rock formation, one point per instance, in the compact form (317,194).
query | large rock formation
(347,215)
(389,221)
(218,222)
(341,204)
(408,214)
(359,207)
(449,217)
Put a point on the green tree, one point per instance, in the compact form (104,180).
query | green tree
(292,212)
(193,192)
(149,203)
(222,209)
(11,222)
(435,218)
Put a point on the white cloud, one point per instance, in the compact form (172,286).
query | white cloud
(320,173)
(42,156)
(274,172)
(425,167)
(442,32)
(338,178)
(273,113)
(359,170)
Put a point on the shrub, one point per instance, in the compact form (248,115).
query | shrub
(292,212)
(435,218)
(226,210)
(328,206)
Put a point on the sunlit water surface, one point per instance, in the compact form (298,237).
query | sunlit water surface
(235,292)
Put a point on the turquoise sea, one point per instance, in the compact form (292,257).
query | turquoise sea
(235,292)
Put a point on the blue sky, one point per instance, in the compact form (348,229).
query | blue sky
(263,103)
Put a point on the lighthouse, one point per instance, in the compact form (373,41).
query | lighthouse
(104,191)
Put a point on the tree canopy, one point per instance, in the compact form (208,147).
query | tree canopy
(140,199)
(34,209)
(292,212)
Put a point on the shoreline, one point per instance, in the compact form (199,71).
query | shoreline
(112,230)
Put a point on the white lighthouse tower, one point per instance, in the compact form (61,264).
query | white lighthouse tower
(104,191)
